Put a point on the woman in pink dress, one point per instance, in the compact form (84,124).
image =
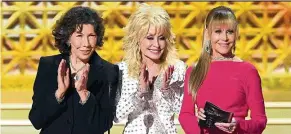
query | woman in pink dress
(224,80)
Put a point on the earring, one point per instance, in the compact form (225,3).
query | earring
(207,46)
(68,44)
(233,49)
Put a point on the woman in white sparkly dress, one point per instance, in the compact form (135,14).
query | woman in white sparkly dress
(152,76)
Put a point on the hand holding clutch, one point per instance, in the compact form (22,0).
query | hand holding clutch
(214,114)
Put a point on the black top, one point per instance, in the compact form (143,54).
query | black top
(70,117)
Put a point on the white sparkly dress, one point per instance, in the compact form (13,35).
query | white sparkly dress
(154,114)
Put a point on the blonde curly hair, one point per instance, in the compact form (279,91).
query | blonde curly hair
(137,29)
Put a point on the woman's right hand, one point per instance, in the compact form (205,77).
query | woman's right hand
(143,80)
(63,79)
(201,115)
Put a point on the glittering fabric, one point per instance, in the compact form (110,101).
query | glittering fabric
(154,113)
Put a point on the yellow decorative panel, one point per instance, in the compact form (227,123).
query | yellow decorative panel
(265,35)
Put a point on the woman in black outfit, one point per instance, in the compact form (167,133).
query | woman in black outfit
(74,91)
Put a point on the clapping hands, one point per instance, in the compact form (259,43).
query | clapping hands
(167,78)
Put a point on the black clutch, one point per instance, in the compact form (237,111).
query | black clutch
(214,114)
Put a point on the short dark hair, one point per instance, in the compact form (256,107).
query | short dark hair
(74,19)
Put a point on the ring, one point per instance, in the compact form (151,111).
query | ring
(76,77)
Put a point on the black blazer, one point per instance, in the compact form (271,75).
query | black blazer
(70,117)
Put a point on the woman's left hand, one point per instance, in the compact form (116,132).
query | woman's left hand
(227,127)
(167,78)
(81,84)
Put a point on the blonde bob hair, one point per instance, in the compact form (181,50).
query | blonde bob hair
(137,29)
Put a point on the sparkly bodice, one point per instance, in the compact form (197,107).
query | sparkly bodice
(154,114)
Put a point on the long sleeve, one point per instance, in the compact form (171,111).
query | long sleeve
(155,111)
(99,110)
(178,96)
(109,108)
(127,104)
(45,107)
(187,117)
(177,86)
(255,101)
(128,101)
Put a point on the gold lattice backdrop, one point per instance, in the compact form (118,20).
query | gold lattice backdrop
(265,35)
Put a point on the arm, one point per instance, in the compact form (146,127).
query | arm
(99,109)
(129,101)
(110,97)
(255,101)
(178,96)
(178,86)
(45,107)
(187,117)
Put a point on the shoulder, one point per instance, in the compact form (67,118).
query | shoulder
(180,68)
(188,73)
(108,65)
(122,65)
(248,67)
(248,72)
(48,65)
(50,59)
(123,70)
(189,70)
(180,65)
(179,71)
(111,69)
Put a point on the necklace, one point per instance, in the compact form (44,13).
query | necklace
(75,76)
(223,58)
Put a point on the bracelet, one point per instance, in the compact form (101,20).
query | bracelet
(59,100)
(87,97)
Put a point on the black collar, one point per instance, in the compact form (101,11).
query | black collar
(96,60)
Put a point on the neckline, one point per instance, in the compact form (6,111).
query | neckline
(225,61)
(234,59)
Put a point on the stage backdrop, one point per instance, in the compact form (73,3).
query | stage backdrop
(265,41)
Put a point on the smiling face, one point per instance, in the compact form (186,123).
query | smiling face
(83,43)
(153,44)
(222,37)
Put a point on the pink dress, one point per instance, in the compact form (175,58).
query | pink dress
(234,87)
